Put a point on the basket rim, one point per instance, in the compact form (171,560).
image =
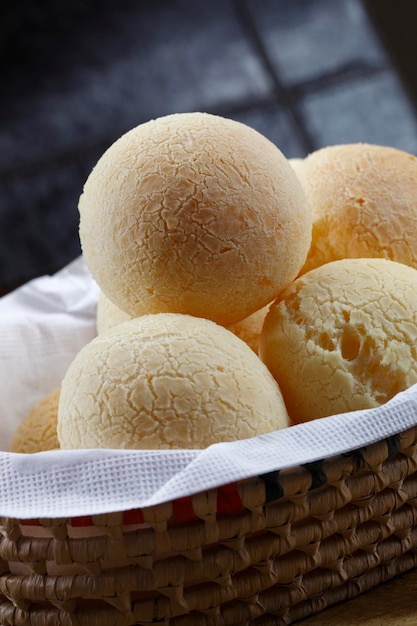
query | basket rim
(88,482)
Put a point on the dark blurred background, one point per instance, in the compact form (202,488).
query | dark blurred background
(77,74)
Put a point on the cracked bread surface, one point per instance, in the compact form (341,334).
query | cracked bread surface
(363,199)
(343,337)
(194,213)
(248,329)
(167,381)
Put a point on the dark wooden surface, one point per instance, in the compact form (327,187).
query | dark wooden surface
(391,604)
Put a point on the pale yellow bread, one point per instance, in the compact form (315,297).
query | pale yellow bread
(343,337)
(194,213)
(363,199)
(37,432)
(166,381)
(248,329)
(109,315)
(296,163)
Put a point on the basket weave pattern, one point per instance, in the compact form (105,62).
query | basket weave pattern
(266,551)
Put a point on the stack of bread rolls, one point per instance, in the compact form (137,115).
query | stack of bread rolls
(241,292)
(190,224)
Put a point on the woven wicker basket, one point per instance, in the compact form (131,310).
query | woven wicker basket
(267,551)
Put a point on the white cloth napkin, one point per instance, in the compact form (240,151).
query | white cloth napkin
(43,326)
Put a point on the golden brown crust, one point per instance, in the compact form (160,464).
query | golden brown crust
(38,430)
(363,198)
(194,213)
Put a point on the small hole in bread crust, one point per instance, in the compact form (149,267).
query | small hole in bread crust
(350,344)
